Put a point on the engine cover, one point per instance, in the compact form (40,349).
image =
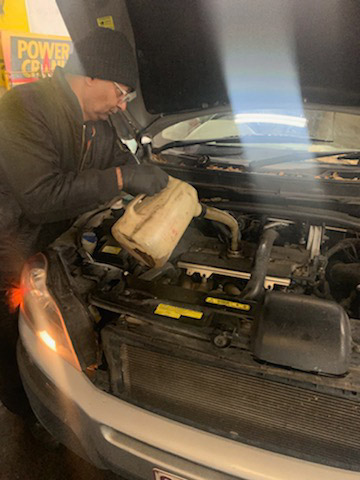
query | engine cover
(303,332)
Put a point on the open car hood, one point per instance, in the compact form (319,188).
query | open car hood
(251,55)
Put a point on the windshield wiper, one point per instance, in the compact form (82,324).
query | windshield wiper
(320,140)
(254,138)
(349,155)
(189,143)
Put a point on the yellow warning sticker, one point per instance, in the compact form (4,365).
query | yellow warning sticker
(106,22)
(177,312)
(227,303)
(111,249)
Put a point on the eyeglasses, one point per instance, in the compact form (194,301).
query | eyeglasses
(126,96)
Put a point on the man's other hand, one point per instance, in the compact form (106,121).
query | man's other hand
(148,179)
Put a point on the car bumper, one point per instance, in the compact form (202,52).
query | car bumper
(132,442)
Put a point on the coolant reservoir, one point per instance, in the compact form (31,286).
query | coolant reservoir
(151,227)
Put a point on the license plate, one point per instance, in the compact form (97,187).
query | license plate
(161,475)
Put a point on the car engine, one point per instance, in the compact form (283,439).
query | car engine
(285,296)
(255,344)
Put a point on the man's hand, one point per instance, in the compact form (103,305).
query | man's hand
(148,179)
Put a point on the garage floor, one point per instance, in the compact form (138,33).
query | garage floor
(23,457)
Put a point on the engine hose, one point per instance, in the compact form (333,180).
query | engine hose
(220,216)
(254,289)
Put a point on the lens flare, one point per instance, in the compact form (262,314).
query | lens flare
(47,339)
(15,296)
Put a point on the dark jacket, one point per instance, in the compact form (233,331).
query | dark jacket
(53,167)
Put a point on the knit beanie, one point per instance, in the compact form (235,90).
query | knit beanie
(105,54)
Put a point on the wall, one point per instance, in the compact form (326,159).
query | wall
(44,17)
(14,16)
(34,16)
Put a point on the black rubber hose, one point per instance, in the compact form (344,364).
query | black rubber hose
(254,289)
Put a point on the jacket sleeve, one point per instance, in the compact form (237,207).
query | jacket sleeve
(108,149)
(30,164)
(121,154)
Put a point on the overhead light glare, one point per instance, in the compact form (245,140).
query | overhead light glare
(48,340)
(270,118)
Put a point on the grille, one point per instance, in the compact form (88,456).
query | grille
(271,415)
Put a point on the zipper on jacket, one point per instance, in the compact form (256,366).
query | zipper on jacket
(82,147)
(83,154)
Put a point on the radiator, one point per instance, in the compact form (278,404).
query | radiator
(271,415)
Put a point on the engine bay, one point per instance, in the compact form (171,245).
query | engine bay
(287,300)
(305,259)
(252,343)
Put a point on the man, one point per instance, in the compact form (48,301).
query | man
(59,157)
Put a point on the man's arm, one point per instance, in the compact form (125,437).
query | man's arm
(30,165)
(132,177)
(33,167)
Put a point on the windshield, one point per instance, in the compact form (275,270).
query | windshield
(260,135)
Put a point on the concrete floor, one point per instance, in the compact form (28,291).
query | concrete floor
(23,457)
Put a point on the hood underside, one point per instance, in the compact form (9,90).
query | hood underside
(198,54)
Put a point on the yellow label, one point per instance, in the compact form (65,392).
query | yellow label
(106,22)
(177,312)
(111,249)
(227,303)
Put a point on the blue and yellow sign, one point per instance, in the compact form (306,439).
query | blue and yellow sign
(28,57)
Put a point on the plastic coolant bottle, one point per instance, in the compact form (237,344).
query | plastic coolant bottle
(151,227)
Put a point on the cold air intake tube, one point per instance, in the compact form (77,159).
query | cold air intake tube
(254,289)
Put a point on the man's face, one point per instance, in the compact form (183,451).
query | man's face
(103,98)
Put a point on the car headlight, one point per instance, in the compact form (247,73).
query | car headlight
(41,311)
